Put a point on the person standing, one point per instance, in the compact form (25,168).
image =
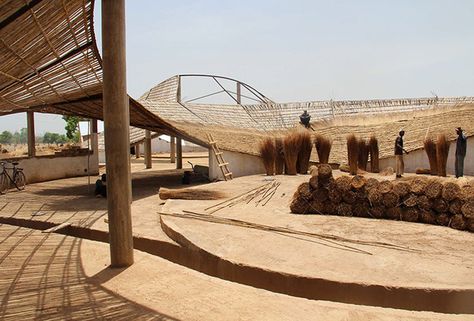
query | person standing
(461,146)
(400,165)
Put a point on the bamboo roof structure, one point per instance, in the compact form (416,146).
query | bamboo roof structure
(49,63)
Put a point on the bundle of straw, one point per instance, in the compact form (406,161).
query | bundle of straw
(363,154)
(291,148)
(430,149)
(352,153)
(442,151)
(374,154)
(306,145)
(268,153)
(279,156)
(323,148)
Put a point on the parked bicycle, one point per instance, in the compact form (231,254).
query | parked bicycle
(16,178)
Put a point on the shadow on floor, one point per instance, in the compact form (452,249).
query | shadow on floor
(42,278)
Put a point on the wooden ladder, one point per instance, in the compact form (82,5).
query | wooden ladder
(220,158)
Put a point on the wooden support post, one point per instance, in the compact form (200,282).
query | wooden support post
(94,145)
(137,150)
(172,150)
(30,120)
(147,149)
(239,95)
(116,126)
(179,153)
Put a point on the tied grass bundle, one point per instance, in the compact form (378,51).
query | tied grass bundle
(442,151)
(430,149)
(190,194)
(268,153)
(279,156)
(374,154)
(323,148)
(304,153)
(363,154)
(352,153)
(291,148)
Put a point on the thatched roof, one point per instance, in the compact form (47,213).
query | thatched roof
(49,62)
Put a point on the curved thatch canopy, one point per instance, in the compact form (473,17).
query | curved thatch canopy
(49,62)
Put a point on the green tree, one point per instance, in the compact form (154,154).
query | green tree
(6,137)
(72,127)
(23,136)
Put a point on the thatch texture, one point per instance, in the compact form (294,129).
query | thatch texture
(323,148)
(458,222)
(451,191)
(344,209)
(430,149)
(268,153)
(279,156)
(362,154)
(442,152)
(433,188)
(291,148)
(385,186)
(306,145)
(374,154)
(352,153)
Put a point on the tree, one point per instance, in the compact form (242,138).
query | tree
(23,136)
(72,127)
(6,137)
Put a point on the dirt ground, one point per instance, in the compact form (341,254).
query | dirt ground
(52,276)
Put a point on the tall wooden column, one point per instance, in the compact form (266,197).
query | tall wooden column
(179,153)
(116,126)
(172,150)
(147,149)
(30,124)
(137,150)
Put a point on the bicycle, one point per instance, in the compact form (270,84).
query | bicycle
(17,177)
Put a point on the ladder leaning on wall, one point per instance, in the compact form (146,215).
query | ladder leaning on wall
(220,158)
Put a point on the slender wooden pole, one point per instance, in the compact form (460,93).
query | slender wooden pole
(94,139)
(179,153)
(147,149)
(30,124)
(239,95)
(116,126)
(172,150)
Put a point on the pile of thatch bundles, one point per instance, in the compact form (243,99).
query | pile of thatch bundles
(323,148)
(190,194)
(352,153)
(306,145)
(268,154)
(430,149)
(374,154)
(416,199)
(442,151)
(279,156)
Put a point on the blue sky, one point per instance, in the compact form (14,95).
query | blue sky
(301,50)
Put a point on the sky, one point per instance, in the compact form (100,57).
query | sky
(299,50)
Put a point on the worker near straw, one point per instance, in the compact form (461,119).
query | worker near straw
(461,145)
(305,118)
(400,165)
